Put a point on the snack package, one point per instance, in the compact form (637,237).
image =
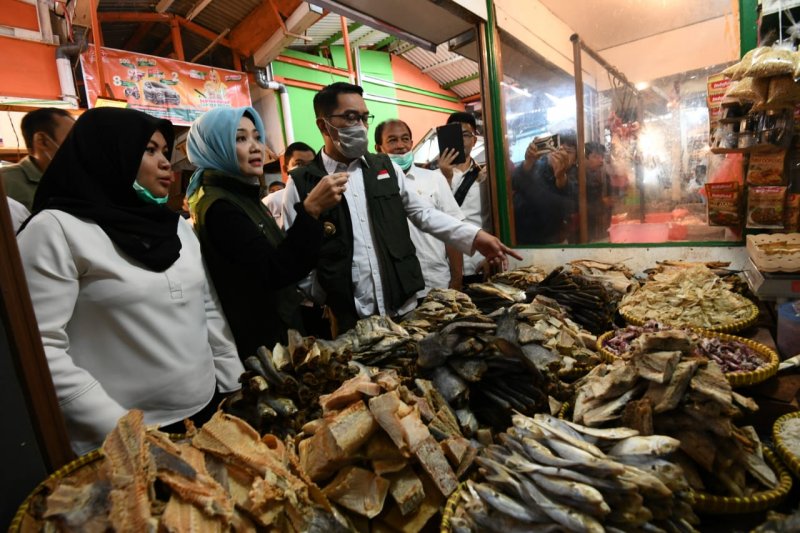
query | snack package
(771,62)
(791,218)
(724,203)
(737,70)
(783,92)
(765,207)
(766,169)
(749,89)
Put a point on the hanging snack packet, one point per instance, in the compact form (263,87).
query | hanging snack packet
(765,169)
(748,90)
(791,218)
(772,62)
(737,70)
(765,206)
(724,203)
(783,93)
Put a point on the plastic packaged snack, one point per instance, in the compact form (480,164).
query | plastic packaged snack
(771,62)
(783,92)
(765,207)
(765,169)
(791,218)
(737,70)
(724,203)
(749,90)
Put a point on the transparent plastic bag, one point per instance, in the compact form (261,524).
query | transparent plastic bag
(772,62)
(783,92)
(748,90)
(737,70)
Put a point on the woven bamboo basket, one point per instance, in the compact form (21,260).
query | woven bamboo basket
(450,508)
(736,379)
(791,460)
(85,467)
(730,327)
(760,501)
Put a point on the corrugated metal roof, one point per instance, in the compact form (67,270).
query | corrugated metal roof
(443,66)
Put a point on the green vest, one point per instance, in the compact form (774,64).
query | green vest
(401,274)
(244,312)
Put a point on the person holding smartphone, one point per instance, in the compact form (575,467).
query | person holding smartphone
(468,182)
(542,195)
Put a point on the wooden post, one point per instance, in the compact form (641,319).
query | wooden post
(177,41)
(347,54)
(97,38)
(581,155)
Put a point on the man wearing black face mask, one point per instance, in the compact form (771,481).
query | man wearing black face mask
(368,264)
(43,131)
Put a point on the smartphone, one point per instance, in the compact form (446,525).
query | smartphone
(547,144)
(450,136)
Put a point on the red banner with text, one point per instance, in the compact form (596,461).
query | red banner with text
(162,87)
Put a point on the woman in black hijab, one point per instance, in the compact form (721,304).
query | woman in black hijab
(127,316)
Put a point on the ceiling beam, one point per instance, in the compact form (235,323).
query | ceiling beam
(197,8)
(338,35)
(140,33)
(211,45)
(260,24)
(305,16)
(459,81)
(164,5)
(383,43)
(133,16)
(202,31)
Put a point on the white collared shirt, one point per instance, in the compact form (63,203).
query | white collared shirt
(472,207)
(365,269)
(274,203)
(432,187)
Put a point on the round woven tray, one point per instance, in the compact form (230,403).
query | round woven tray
(450,508)
(760,501)
(731,327)
(790,460)
(24,520)
(736,379)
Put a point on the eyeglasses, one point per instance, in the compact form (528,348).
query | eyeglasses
(468,135)
(352,118)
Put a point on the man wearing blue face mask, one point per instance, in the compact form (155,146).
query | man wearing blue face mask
(367,263)
(441,264)
(43,131)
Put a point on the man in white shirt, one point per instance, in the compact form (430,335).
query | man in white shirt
(296,155)
(441,264)
(468,182)
(367,262)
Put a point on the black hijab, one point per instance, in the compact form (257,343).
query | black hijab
(92,175)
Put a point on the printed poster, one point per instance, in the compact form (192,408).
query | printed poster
(162,87)
(717,86)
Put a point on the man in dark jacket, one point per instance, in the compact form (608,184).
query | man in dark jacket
(368,264)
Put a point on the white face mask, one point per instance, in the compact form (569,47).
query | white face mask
(353,140)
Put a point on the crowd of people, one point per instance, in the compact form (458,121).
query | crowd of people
(138,309)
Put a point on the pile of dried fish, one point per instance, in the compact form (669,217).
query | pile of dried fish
(730,355)
(552,475)
(616,278)
(663,389)
(281,388)
(780,523)
(439,307)
(687,297)
(545,324)
(479,367)
(491,296)
(721,268)
(226,478)
(588,301)
(377,455)
(521,278)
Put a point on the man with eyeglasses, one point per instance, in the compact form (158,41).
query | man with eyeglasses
(368,264)
(468,182)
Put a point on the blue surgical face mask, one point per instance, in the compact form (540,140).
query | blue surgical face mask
(147,196)
(403,161)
